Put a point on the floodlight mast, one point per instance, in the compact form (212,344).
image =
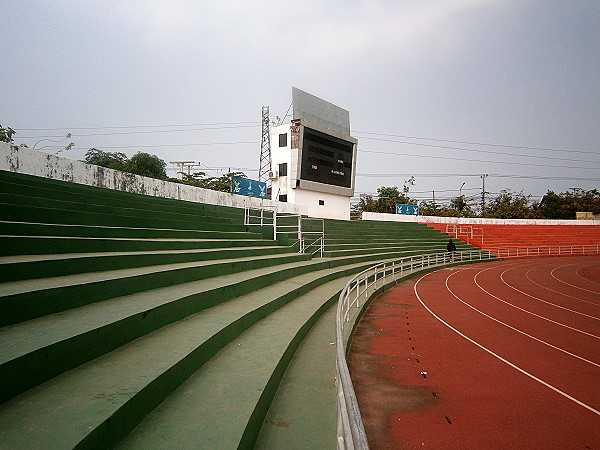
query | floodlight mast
(265,149)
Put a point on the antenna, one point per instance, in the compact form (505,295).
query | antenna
(265,148)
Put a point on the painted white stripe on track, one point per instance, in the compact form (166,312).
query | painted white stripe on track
(529,312)
(542,300)
(514,366)
(558,292)
(569,284)
(516,329)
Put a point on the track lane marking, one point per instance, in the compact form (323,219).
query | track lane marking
(513,328)
(542,300)
(584,278)
(529,312)
(569,284)
(560,293)
(514,366)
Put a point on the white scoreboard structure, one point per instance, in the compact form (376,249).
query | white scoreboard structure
(313,158)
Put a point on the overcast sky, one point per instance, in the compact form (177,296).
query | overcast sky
(442,90)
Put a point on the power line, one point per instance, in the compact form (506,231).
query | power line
(475,143)
(479,151)
(479,160)
(122,147)
(145,132)
(453,175)
(138,126)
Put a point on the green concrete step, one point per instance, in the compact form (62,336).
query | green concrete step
(59,189)
(45,245)
(97,403)
(95,231)
(47,346)
(303,413)
(106,197)
(29,299)
(224,403)
(408,250)
(40,214)
(139,211)
(27,267)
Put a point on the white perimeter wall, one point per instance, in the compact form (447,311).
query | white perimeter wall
(33,162)
(472,220)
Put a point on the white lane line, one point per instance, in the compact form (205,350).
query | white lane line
(524,372)
(569,284)
(542,300)
(516,329)
(558,292)
(532,313)
(584,278)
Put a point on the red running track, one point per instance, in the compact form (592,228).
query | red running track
(494,355)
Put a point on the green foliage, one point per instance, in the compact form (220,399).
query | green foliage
(115,161)
(221,183)
(566,204)
(6,134)
(428,208)
(387,198)
(140,163)
(462,206)
(509,205)
(146,165)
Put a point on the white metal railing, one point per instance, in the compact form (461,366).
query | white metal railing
(288,223)
(289,228)
(557,250)
(307,238)
(350,429)
(468,231)
(257,216)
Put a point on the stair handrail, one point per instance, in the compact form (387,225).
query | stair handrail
(350,429)
(294,228)
(469,231)
(320,239)
(248,216)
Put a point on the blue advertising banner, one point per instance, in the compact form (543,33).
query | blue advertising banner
(251,188)
(407,209)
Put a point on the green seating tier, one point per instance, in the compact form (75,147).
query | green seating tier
(136,321)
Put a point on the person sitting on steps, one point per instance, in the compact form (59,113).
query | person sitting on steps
(451,248)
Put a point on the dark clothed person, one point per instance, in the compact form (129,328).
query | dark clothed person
(450,246)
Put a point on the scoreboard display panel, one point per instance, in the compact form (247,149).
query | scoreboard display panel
(326,159)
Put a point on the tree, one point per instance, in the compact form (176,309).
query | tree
(430,208)
(462,206)
(221,183)
(146,165)
(115,161)
(550,207)
(387,198)
(509,205)
(6,134)
(566,204)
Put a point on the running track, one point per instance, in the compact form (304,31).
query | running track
(494,355)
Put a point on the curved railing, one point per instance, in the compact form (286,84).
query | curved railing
(350,429)
(556,250)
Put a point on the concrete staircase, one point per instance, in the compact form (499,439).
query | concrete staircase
(136,321)
(492,236)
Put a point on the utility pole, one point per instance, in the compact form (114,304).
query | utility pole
(183,164)
(265,149)
(483,177)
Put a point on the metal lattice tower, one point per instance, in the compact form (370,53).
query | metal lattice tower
(265,148)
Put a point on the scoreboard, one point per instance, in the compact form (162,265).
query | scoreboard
(326,159)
